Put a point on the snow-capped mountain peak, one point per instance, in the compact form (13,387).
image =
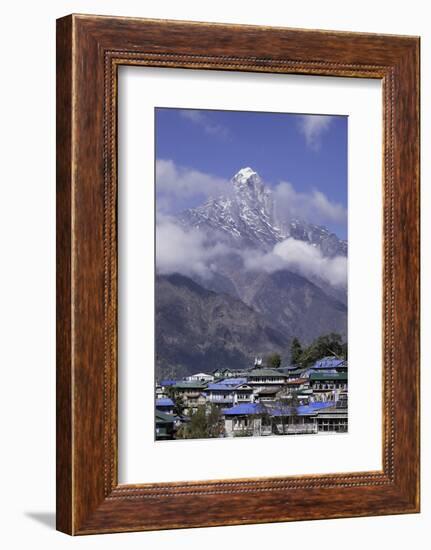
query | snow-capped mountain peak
(245,173)
(249,187)
(248,215)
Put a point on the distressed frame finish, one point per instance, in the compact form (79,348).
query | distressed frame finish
(89,51)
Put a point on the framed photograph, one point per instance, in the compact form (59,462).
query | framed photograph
(237,274)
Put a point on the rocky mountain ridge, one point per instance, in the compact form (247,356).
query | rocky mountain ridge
(248,216)
(229,318)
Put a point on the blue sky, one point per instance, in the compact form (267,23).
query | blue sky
(308,151)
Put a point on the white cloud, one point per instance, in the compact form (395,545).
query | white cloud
(301,257)
(314,207)
(313,127)
(193,252)
(188,252)
(178,186)
(204,121)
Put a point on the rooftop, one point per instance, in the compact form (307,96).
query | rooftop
(328,376)
(244,409)
(227,384)
(190,384)
(302,410)
(248,409)
(163,418)
(167,382)
(329,363)
(297,371)
(225,369)
(164,402)
(267,372)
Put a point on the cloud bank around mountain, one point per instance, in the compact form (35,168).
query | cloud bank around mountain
(301,257)
(178,187)
(193,252)
(185,251)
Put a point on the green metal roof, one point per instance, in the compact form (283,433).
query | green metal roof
(163,418)
(266,372)
(191,385)
(328,376)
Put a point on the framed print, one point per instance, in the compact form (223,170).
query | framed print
(237,274)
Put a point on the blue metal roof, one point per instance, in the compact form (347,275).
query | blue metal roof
(257,408)
(328,363)
(220,387)
(168,382)
(234,381)
(227,384)
(244,408)
(313,407)
(322,404)
(164,402)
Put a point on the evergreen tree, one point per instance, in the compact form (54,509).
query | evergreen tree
(295,351)
(274,361)
(328,345)
(178,400)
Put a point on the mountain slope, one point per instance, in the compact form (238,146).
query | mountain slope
(296,306)
(198,329)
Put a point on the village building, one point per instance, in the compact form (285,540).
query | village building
(261,378)
(300,396)
(328,386)
(342,401)
(253,419)
(165,425)
(165,404)
(160,392)
(332,420)
(201,377)
(297,383)
(163,386)
(267,394)
(229,392)
(302,419)
(260,400)
(297,372)
(192,394)
(245,420)
(223,373)
(330,364)
(325,365)
(288,420)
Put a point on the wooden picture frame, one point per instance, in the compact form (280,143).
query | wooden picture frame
(89,51)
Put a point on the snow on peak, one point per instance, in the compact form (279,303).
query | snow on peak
(248,182)
(245,172)
(245,175)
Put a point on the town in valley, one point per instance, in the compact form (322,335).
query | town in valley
(264,400)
